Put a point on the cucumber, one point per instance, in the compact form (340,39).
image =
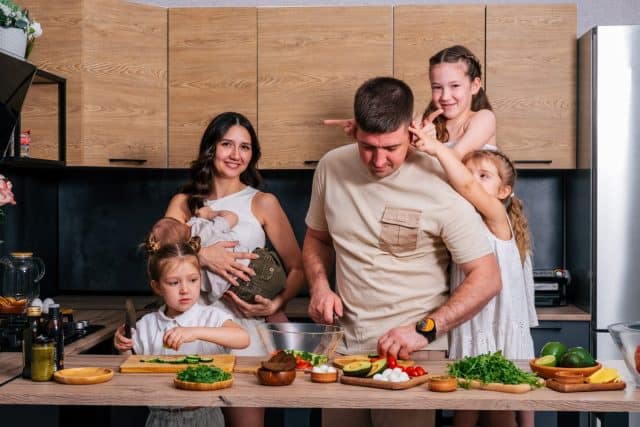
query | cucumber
(206,359)
(177,361)
(372,355)
(359,368)
(377,367)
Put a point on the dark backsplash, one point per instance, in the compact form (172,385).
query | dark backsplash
(87,223)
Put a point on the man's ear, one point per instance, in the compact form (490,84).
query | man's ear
(504,192)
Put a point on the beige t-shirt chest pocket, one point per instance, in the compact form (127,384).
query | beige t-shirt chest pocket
(399,231)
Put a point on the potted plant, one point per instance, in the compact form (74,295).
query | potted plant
(18,30)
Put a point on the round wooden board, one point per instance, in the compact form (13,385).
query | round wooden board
(547,372)
(80,376)
(188,385)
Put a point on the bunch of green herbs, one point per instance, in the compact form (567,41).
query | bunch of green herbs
(203,374)
(491,368)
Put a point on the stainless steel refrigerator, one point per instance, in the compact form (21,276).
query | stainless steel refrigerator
(603,196)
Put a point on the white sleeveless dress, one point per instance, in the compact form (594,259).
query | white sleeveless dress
(250,235)
(504,323)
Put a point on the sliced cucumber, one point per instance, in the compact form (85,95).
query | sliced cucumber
(206,359)
(372,355)
(177,361)
(359,368)
(377,367)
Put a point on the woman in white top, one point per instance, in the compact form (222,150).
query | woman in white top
(225,177)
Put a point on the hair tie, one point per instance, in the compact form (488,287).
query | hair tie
(152,245)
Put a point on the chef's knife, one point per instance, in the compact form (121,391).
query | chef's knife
(130,317)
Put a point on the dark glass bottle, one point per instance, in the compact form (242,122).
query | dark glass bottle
(55,332)
(29,334)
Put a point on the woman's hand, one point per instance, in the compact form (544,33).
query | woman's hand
(122,343)
(224,263)
(263,307)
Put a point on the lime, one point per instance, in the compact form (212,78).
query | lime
(554,348)
(570,360)
(548,360)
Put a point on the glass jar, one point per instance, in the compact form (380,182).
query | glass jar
(21,274)
(42,359)
(29,336)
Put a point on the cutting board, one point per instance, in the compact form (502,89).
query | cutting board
(571,388)
(504,388)
(368,382)
(133,364)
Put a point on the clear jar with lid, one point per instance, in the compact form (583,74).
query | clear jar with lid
(42,359)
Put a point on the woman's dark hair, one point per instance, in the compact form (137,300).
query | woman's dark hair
(202,170)
(479,101)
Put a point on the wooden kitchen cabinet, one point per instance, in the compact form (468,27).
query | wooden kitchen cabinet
(212,69)
(419,32)
(531,82)
(311,60)
(124,84)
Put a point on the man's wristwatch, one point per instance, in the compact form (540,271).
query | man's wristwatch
(427,328)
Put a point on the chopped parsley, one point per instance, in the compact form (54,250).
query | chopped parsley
(203,374)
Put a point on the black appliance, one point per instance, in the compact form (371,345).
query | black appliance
(551,287)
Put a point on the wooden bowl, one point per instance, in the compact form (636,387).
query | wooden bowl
(83,375)
(550,371)
(324,377)
(569,377)
(443,384)
(190,385)
(271,378)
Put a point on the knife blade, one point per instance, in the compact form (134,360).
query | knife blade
(130,317)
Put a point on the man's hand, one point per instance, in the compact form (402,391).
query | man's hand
(323,304)
(401,342)
(224,263)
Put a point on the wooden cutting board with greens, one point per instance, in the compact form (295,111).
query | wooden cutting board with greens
(165,364)
(492,371)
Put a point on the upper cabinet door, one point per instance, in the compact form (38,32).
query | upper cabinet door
(212,69)
(311,60)
(531,82)
(422,31)
(124,84)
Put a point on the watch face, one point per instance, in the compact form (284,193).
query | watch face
(426,325)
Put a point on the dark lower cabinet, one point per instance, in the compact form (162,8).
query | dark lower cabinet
(571,334)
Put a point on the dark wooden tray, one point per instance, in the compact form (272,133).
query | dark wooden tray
(572,388)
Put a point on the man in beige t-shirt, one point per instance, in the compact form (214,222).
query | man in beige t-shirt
(391,220)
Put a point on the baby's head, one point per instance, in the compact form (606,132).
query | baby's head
(494,171)
(167,230)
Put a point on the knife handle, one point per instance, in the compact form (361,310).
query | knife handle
(127,331)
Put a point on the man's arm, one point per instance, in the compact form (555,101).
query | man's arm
(317,259)
(482,282)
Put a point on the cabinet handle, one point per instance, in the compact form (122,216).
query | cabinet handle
(549,328)
(136,161)
(533,162)
(311,162)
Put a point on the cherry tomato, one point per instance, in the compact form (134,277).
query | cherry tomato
(419,371)
(410,370)
(303,364)
(391,362)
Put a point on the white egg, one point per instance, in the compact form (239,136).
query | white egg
(37,302)
(45,305)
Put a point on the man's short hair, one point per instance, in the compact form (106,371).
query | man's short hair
(382,105)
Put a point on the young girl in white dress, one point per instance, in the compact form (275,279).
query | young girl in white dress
(486,178)
(181,326)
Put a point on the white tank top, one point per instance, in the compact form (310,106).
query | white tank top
(248,231)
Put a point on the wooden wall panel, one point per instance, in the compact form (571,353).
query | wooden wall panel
(212,68)
(311,60)
(59,51)
(531,81)
(124,83)
(421,31)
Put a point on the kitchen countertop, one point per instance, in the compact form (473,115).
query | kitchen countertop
(157,389)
